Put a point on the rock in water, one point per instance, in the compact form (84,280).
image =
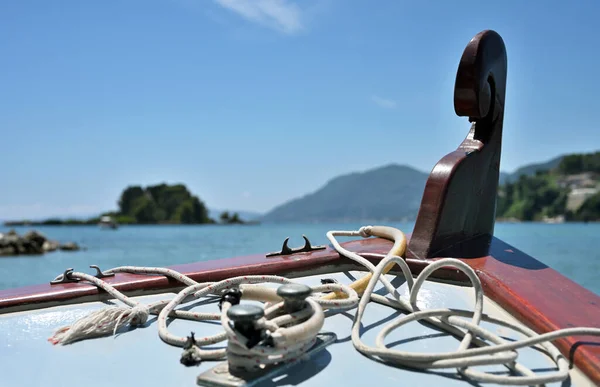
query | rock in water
(32,243)
(7,251)
(13,244)
(70,246)
(35,238)
(50,246)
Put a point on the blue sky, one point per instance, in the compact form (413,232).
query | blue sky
(251,103)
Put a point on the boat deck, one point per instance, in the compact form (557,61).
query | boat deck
(140,357)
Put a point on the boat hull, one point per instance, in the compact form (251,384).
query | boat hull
(533,293)
(139,356)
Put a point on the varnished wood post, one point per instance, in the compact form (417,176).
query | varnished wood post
(458,209)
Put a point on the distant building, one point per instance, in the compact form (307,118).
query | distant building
(555,219)
(578,196)
(580,180)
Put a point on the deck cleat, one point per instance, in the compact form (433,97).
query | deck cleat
(286,250)
(65,278)
(100,273)
(238,370)
(222,376)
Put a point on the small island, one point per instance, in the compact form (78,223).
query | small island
(155,204)
(225,218)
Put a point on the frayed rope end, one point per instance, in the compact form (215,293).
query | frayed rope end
(100,323)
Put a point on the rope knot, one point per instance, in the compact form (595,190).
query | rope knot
(365,231)
(139,315)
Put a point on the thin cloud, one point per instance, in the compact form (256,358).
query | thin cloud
(281,15)
(384,102)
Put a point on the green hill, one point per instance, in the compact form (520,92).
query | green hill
(529,170)
(392,192)
(570,189)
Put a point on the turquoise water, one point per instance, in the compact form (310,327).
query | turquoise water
(572,249)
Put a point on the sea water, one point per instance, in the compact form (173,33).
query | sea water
(571,248)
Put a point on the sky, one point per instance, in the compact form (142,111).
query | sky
(253,102)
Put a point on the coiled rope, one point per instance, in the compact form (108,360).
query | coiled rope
(291,334)
(501,352)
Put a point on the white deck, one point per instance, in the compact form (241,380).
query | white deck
(139,358)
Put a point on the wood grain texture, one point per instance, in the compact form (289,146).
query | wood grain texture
(457,213)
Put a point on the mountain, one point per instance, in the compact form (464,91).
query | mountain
(391,192)
(529,170)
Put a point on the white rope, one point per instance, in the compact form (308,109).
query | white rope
(494,350)
(109,320)
(291,334)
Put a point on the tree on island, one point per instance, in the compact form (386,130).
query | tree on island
(162,203)
(580,162)
(233,219)
(224,217)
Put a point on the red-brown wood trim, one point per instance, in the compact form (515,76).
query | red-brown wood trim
(38,296)
(457,213)
(535,294)
(544,300)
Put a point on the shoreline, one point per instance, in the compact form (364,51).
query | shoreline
(41,224)
(256,223)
